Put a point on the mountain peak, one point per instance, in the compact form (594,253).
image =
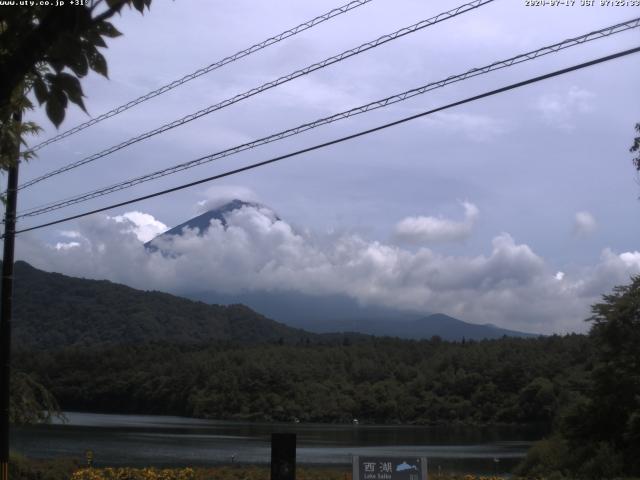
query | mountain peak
(202,222)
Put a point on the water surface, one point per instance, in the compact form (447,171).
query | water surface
(145,440)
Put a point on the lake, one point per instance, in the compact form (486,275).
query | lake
(146,440)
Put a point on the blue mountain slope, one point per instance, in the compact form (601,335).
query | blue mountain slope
(202,222)
(333,313)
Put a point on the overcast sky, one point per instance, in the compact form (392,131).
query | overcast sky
(520,210)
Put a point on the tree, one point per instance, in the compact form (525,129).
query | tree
(48,50)
(599,435)
(635,148)
(45,49)
(614,400)
(31,402)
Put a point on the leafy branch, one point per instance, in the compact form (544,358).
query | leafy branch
(49,50)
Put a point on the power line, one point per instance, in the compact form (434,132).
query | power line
(604,32)
(198,73)
(343,139)
(274,83)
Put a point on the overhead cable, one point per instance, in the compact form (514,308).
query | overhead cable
(342,139)
(198,73)
(274,83)
(602,33)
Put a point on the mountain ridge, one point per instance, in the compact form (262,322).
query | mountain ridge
(52,310)
(329,313)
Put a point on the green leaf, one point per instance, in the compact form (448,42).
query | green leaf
(139,5)
(28,128)
(56,105)
(116,3)
(68,83)
(106,29)
(55,112)
(73,89)
(76,97)
(26,104)
(94,39)
(97,63)
(79,65)
(66,48)
(56,64)
(72,52)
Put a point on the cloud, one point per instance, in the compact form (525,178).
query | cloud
(584,224)
(612,269)
(631,259)
(66,245)
(560,110)
(69,234)
(313,93)
(218,195)
(144,226)
(511,286)
(437,229)
(479,128)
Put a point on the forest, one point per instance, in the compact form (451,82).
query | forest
(382,380)
(210,361)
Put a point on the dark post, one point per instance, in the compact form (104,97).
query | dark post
(5,311)
(283,456)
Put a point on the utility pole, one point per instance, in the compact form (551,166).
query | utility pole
(5,311)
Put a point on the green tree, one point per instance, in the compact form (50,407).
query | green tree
(31,402)
(613,407)
(599,434)
(48,49)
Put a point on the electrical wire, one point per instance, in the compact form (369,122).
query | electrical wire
(342,139)
(198,73)
(602,33)
(274,83)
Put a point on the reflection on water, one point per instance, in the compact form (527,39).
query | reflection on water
(176,441)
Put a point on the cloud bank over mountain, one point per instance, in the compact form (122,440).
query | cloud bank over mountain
(510,286)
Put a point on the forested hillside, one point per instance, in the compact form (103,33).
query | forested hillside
(55,311)
(374,380)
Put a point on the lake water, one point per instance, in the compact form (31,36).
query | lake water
(147,440)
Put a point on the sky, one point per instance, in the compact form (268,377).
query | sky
(519,210)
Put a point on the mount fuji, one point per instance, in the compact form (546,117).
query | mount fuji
(325,313)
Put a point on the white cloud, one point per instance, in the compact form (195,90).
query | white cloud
(69,234)
(66,245)
(612,269)
(584,224)
(631,259)
(144,226)
(218,195)
(437,229)
(560,110)
(511,286)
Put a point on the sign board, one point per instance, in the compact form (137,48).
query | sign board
(389,468)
